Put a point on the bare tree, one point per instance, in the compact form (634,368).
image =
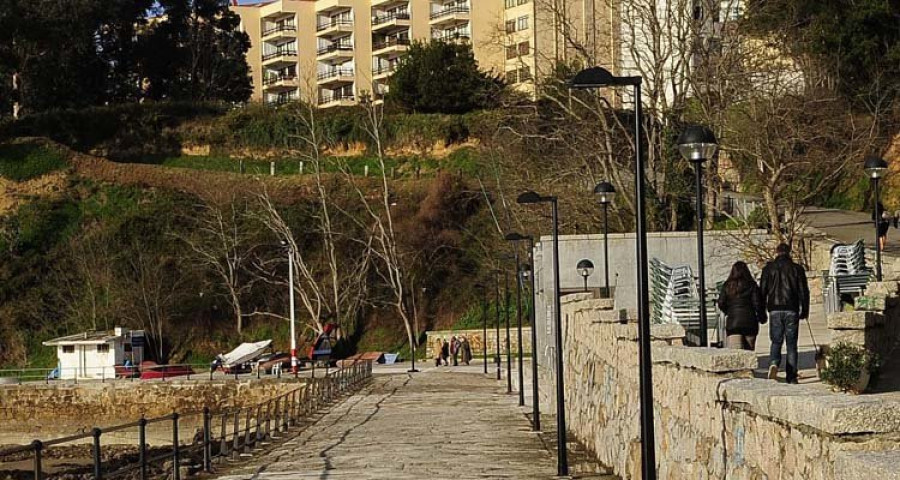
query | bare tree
(224,244)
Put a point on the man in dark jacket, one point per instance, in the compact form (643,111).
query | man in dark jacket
(786,293)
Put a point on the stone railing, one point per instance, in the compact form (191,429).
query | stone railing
(434,338)
(712,418)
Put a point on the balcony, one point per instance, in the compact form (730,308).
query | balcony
(280,56)
(390,45)
(450,16)
(383,4)
(334,26)
(283,99)
(278,32)
(280,82)
(390,21)
(335,76)
(331,100)
(384,71)
(452,37)
(335,51)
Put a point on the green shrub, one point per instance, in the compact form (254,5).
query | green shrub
(26,161)
(845,363)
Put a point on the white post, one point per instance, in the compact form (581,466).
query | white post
(293,322)
(272,168)
(366,171)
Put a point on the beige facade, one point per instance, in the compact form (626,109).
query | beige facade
(331,52)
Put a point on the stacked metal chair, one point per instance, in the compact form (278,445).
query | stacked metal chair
(848,274)
(674,297)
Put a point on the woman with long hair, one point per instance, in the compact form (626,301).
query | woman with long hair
(742,302)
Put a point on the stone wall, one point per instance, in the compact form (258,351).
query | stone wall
(31,411)
(434,339)
(712,419)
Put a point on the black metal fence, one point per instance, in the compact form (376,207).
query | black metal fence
(219,434)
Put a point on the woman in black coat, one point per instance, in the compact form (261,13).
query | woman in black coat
(742,302)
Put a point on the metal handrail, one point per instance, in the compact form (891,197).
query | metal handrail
(281,413)
(280,53)
(334,47)
(379,19)
(453,36)
(334,98)
(384,69)
(269,80)
(340,22)
(390,42)
(334,72)
(449,11)
(287,27)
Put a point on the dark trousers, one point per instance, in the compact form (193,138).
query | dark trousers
(784,327)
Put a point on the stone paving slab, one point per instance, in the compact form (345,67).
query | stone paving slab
(433,424)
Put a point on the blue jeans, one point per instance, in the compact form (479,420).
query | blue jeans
(784,327)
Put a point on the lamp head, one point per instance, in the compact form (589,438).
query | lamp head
(525,268)
(606,191)
(697,143)
(529,197)
(585,267)
(514,237)
(875,167)
(596,77)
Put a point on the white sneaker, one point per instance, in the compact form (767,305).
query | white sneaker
(773,372)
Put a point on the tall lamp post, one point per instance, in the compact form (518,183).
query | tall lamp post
(290,259)
(497,319)
(527,272)
(585,268)
(606,191)
(515,238)
(506,316)
(697,144)
(562,461)
(876,168)
(484,312)
(591,79)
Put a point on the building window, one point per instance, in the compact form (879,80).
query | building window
(511,77)
(510,26)
(525,74)
(510,3)
(511,52)
(522,23)
(524,48)
(68,348)
(103,348)
(523,2)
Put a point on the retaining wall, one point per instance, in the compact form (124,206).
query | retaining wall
(712,419)
(434,339)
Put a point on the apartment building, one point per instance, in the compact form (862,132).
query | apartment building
(330,52)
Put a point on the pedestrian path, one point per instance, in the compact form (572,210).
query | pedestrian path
(438,423)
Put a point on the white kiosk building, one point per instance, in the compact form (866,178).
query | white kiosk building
(92,354)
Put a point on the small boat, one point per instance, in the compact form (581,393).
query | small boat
(244,353)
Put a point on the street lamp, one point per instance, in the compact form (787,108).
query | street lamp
(290,258)
(515,238)
(483,289)
(698,144)
(497,319)
(590,79)
(527,272)
(876,168)
(506,316)
(562,462)
(606,191)
(585,268)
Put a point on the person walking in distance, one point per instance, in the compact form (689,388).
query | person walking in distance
(786,294)
(741,301)
(454,350)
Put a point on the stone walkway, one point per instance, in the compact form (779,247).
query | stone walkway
(434,424)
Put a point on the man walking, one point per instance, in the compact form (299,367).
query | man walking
(786,293)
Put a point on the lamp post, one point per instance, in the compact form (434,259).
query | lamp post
(697,144)
(506,322)
(598,77)
(528,271)
(497,319)
(290,255)
(484,311)
(585,268)
(875,169)
(606,192)
(515,238)
(562,462)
